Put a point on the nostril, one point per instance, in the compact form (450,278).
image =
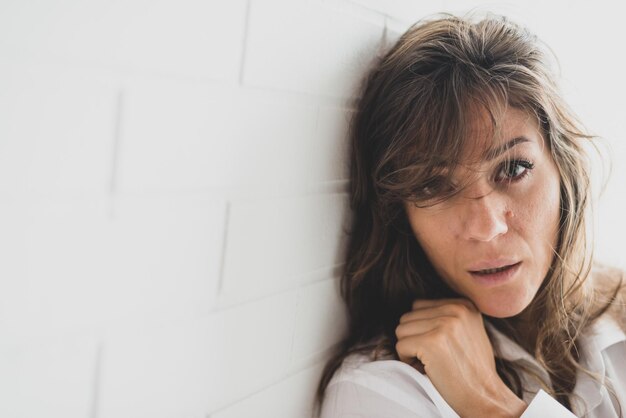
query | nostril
(485,220)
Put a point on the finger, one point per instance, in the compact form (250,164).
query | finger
(422,326)
(449,309)
(432,303)
(412,347)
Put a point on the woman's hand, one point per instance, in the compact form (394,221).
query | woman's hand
(448,337)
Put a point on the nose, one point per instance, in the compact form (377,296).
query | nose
(485,217)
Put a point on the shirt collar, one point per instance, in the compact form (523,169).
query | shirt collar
(606,332)
(507,349)
(602,334)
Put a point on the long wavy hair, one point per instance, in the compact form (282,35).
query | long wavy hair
(415,107)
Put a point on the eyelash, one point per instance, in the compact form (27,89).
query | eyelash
(514,163)
(438,186)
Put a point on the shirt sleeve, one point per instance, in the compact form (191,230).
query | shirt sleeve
(347,399)
(544,405)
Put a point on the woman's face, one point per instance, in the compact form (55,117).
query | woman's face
(493,242)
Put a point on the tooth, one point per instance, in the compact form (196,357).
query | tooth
(491,271)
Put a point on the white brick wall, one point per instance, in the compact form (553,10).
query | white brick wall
(173,195)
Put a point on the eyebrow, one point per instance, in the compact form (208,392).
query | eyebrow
(495,152)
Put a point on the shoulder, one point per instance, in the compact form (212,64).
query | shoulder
(606,275)
(382,388)
(609,286)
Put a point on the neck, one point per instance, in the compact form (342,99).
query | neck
(522,328)
(526,329)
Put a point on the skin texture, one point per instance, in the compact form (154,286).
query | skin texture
(449,339)
(508,212)
(491,220)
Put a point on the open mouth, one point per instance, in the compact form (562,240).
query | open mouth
(497,275)
(494,270)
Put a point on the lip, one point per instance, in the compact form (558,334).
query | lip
(500,277)
(492,264)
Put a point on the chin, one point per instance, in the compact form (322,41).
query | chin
(502,308)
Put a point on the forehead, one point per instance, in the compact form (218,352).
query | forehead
(486,131)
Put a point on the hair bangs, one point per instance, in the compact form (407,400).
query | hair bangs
(443,132)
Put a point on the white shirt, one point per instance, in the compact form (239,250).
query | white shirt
(393,389)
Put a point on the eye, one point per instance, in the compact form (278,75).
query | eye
(434,187)
(513,170)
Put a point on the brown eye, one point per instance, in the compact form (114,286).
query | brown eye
(513,170)
(434,187)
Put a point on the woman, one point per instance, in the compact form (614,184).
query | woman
(468,279)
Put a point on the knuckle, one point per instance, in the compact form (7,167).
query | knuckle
(406,346)
(455,324)
(446,321)
(449,324)
(399,331)
(438,338)
(469,305)
(400,346)
(459,310)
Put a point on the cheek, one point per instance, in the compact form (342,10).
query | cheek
(436,241)
(537,218)
(546,210)
(424,226)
